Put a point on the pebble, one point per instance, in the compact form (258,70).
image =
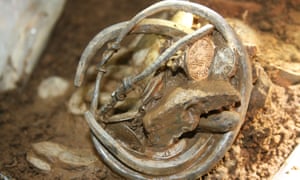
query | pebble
(286,74)
(59,155)
(277,139)
(52,87)
(261,88)
(38,163)
(80,158)
(236,150)
(47,149)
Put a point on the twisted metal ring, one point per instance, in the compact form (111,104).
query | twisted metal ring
(204,153)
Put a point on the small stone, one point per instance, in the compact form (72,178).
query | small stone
(47,149)
(38,163)
(261,88)
(286,74)
(236,150)
(230,163)
(52,87)
(64,156)
(79,158)
(276,139)
(222,171)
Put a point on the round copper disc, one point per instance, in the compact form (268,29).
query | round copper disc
(199,58)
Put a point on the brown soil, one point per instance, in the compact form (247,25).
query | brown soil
(264,142)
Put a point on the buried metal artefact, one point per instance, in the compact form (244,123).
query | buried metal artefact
(191,92)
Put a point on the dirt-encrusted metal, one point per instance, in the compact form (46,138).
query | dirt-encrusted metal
(190,101)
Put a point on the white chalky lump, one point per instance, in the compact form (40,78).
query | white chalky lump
(38,163)
(46,153)
(52,87)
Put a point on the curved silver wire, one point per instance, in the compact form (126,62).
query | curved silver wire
(223,143)
(129,82)
(147,26)
(187,6)
(142,165)
(218,21)
(147,166)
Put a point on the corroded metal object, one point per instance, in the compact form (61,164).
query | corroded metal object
(191,95)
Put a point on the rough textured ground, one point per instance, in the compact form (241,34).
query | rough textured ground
(265,140)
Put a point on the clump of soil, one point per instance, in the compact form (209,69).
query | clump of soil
(266,139)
